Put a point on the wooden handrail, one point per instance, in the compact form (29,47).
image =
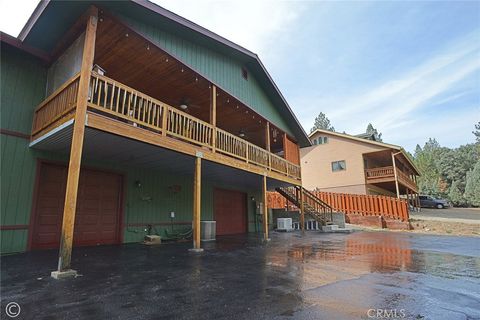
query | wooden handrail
(387,172)
(380,172)
(117,100)
(231,144)
(57,91)
(57,105)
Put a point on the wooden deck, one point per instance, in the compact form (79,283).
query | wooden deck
(387,174)
(135,113)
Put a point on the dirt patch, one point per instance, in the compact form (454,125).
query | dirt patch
(445,227)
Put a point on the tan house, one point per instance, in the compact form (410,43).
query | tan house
(343,163)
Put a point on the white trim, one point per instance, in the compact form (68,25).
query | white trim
(51,132)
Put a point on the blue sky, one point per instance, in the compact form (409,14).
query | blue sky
(410,68)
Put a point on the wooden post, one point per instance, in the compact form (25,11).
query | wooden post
(395,174)
(302,210)
(267,137)
(213,115)
(265,208)
(68,223)
(197,203)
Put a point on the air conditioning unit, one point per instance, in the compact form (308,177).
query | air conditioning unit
(284,224)
(208,230)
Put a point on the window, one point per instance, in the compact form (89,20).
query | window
(320,140)
(338,165)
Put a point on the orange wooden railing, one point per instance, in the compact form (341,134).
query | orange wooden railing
(58,105)
(404,179)
(382,172)
(375,174)
(113,98)
(121,102)
(365,205)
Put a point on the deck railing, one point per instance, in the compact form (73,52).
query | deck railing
(58,105)
(123,103)
(378,173)
(231,145)
(406,180)
(375,174)
(186,127)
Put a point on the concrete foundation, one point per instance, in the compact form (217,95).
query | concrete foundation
(63,274)
(339,219)
(194,250)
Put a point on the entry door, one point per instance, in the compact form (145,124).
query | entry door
(230,211)
(97,219)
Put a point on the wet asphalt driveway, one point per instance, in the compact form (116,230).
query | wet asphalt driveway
(363,275)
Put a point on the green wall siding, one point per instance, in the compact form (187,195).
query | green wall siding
(223,70)
(22,88)
(23,81)
(154,200)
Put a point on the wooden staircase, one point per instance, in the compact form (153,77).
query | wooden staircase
(312,205)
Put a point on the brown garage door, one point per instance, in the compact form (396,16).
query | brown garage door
(230,211)
(97,220)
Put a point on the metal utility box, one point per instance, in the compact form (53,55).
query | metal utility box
(284,224)
(208,230)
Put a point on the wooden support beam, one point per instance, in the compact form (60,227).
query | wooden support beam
(213,114)
(265,208)
(267,137)
(197,203)
(395,174)
(77,146)
(302,210)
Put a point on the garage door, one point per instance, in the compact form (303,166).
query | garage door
(97,220)
(230,211)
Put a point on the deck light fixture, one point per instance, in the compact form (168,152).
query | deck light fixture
(183,106)
(241,134)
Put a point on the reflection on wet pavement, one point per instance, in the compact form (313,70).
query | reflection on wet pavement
(363,275)
(344,278)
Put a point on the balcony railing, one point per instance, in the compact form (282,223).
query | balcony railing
(386,173)
(58,105)
(120,102)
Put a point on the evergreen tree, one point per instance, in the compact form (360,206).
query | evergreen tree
(472,188)
(477,132)
(425,160)
(372,130)
(322,122)
(456,195)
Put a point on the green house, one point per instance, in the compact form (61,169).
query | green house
(121,118)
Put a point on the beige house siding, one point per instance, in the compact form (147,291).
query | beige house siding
(316,162)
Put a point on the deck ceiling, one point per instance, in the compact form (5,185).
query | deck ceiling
(119,152)
(383,158)
(390,186)
(129,58)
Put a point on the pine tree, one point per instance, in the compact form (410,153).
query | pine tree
(322,122)
(477,132)
(472,188)
(455,194)
(372,130)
